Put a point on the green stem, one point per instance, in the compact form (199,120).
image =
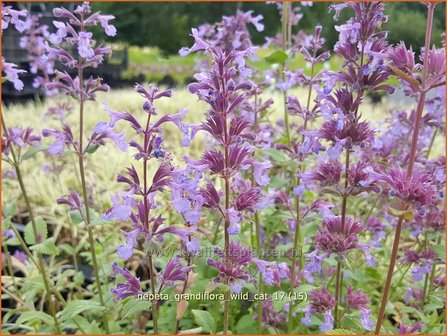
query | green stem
(9,266)
(285,34)
(45,278)
(91,239)
(339,274)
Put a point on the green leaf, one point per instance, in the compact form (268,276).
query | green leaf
(405,214)
(46,247)
(41,228)
(439,250)
(79,306)
(6,224)
(245,325)
(75,217)
(340,332)
(277,156)
(355,258)
(134,306)
(32,317)
(278,56)
(204,320)
(92,148)
(32,151)
(10,210)
(280,299)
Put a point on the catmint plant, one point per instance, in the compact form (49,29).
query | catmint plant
(223,87)
(433,75)
(33,40)
(75,48)
(137,202)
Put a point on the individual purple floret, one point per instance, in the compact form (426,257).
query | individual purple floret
(174,272)
(130,287)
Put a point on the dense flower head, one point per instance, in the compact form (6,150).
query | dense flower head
(72,32)
(234,266)
(347,134)
(333,238)
(356,299)
(326,174)
(415,190)
(33,41)
(421,262)
(321,302)
(368,17)
(403,58)
(232,32)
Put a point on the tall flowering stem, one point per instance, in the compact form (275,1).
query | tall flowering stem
(74,32)
(412,160)
(285,31)
(300,146)
(224,87)
(137,199)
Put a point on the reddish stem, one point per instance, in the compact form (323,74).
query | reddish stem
(413,152)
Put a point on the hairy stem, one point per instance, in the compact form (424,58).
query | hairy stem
(257,232)
(413,151)
(339,274)
(298,239)
(91,239)
(285,39)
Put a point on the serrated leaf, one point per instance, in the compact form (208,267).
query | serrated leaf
(9,210)
(46,247)
(31,317)
(134,306)
(277,56)
(340,332)
(6,223)
(355,258)
(204,319)
(277,156)
(245,325)
(41,228)
(32,151)
(77,307)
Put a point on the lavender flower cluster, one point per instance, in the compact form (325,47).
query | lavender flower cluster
(343,199)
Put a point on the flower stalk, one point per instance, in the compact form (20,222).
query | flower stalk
(412,159)
(91,239)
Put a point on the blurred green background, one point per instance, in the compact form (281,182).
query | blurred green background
(166,25)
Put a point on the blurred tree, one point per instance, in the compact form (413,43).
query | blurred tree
(167,25)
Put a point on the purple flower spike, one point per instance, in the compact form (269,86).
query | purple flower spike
(174,271)
(130,287)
